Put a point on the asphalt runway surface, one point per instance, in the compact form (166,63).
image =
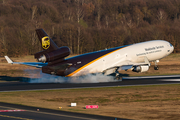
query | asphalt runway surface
(30,113)
(19,112)
(127,81)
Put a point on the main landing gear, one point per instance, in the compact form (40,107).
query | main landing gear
(156,67)
(114,72)
(117,76)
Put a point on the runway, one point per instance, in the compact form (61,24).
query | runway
(31,113)
(127,81)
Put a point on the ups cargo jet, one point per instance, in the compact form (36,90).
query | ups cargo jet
(136,57)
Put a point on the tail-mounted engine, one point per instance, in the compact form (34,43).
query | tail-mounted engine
(139,68)
(60,53)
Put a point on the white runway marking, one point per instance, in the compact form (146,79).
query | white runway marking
(142,77)
(170,80)
(11,110)
(68,116)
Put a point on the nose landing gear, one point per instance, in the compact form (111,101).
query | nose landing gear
(156,67)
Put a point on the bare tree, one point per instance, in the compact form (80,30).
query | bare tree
(34,10)
(138,15)
(80,15)
(161,15)
(70,14)
(3,41)
(79,10)
(98,5)
(3,1)
(107,21)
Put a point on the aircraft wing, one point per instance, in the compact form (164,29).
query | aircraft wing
(125,65)
(33,64)
(128,64)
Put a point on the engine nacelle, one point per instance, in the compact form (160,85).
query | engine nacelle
(54,55)
(143,68)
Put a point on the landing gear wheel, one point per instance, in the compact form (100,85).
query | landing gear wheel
(156,68)
(118,77)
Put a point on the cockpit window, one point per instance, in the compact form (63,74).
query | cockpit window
(170,44)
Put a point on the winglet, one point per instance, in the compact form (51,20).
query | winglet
(8,59)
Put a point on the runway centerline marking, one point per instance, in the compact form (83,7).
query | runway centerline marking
(170,80)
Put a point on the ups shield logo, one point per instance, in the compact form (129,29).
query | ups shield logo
(45,42)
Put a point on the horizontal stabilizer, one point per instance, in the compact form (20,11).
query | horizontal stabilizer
(8,59)
(33,64)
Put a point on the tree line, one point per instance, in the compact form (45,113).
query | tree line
(86,25)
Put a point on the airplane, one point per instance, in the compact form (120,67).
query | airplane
(136,57)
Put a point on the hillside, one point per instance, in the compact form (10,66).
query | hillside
(86,25)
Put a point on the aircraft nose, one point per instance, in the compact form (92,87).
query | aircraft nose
(173,48)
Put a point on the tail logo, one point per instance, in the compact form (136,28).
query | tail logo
(45,42)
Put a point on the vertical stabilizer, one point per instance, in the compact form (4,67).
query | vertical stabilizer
(46,42)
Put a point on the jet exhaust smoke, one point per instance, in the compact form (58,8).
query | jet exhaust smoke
(36,76)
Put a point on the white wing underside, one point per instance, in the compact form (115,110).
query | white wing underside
(125,65)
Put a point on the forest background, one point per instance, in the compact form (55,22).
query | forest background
(86,25)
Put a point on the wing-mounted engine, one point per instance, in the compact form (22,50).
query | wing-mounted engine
(60,53)
(140,68)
